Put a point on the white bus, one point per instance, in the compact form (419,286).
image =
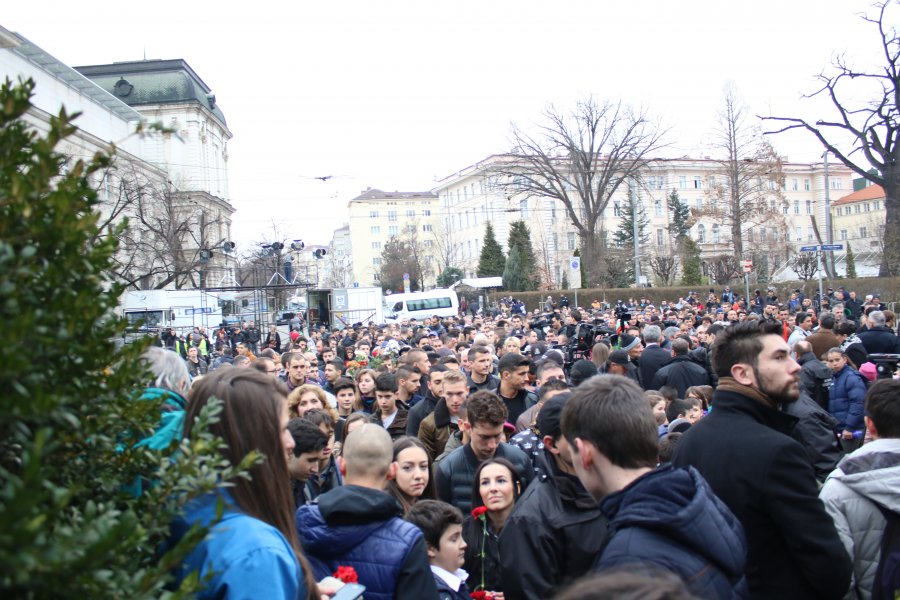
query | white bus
(419,305)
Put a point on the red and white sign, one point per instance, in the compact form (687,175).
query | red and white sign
(747,265)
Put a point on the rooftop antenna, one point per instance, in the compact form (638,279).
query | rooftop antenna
(145,52)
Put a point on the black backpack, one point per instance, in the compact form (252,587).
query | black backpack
(886,585)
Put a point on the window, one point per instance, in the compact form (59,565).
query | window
(656,183)
(701,233)
(376,245)
(373,214)
(795,184)
(799,233)
(878,205)
(376,277)
(698,204)
(836,183)
(523,209)
(570,239)
(426,227)
(868,207)
(712,181)
(617,209)
(786,209)
(374,229)
(843,234)
(682,181)
(469,249)
(426,212)
(863,232)
(660,237)
(698,182)
(429,243)
(657,207)
(806,184)
(392,215)
(393,230)
(410,213)
(858,208)
(810,236)
(553,214)
(796,207)
(428,303)
(809,207)
(715,233)
(555,242)
(770,184)
(376,261)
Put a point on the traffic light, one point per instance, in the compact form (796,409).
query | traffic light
(320,253)
(297,245)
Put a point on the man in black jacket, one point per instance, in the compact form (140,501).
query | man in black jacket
(744,450)
(879,339)
(653,357)
(681,372)
(557,529)
(426,406)
(815,376)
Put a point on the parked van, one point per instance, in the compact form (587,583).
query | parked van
(419,305)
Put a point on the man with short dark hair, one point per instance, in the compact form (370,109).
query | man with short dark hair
(667,518)
(743,448)
(556,529)
(802,326)
(824,339)
(513,370)
(309,442)
(485,415)
(426,406)
(333,371)
(481,363)
(865,484)
(681,372)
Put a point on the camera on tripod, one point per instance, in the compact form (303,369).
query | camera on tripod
(885,364)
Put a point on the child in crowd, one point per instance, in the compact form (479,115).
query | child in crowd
(442,525)
(390,413)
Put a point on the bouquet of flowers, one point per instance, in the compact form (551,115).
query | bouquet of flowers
(360,361)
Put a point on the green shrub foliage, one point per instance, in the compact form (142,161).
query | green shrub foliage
(70,408)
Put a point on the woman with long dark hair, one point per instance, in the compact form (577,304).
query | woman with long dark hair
(495,489)
(413,480)
(253,552)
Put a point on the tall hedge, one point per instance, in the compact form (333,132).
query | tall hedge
(70,413)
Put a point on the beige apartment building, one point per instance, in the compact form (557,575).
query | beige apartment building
(377,216)
(472,197)
(857,220)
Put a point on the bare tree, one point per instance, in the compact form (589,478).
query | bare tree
(169,238)
(747,188)
(445,249)
(873,125)
(805,265)
(581,160)
(664,266)
(724,268)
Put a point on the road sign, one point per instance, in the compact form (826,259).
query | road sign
(830,247)
(809,248)
(747,265)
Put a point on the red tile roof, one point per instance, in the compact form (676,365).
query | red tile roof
(872,192)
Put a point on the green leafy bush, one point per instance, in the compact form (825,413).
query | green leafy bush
(69,409)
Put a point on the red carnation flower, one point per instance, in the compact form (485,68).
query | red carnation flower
(479,512)
(346,574)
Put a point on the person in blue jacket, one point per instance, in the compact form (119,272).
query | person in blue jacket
(846,398)
(253,550)
(658,517)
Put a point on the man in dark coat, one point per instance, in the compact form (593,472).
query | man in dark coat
(665,518)
(653,357)
(681,372)
(879,339)
(557,529)
(815,376)
(744,450)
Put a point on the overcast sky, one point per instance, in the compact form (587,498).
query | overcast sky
(395,95)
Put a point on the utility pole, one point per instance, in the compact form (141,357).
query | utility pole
(635,233)
(828,230)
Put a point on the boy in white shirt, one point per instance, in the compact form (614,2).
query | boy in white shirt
(441,523)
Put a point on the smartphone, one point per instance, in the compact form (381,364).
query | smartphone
(350,591)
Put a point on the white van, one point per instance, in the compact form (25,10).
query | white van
(419,305)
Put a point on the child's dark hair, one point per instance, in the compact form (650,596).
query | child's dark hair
(677,407)
(307,436)
(433,517)
(386,382)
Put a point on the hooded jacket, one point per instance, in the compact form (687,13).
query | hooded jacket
(846,397)
(815,378)
(815,430)
(552,537)
(868,476)
(362,528)
(671,518)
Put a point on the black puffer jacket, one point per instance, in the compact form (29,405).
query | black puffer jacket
(552,537)
(455,474)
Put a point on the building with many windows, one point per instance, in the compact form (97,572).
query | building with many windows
(857,220)
(377,216)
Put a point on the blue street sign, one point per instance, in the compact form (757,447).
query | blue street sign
(832,247)
(809,248)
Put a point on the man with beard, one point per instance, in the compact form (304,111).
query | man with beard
(745,452)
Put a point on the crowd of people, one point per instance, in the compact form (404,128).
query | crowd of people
(700,448)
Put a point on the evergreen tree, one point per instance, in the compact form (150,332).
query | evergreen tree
(690,270)
(564,284)
(520,237)
(851,263)
(513,279)
(449,276)
(491,263)
(762,269)
(624,237)
(69,428)
(680,216)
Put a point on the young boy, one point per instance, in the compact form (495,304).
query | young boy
(309,442)
(390,413)
(441,524)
